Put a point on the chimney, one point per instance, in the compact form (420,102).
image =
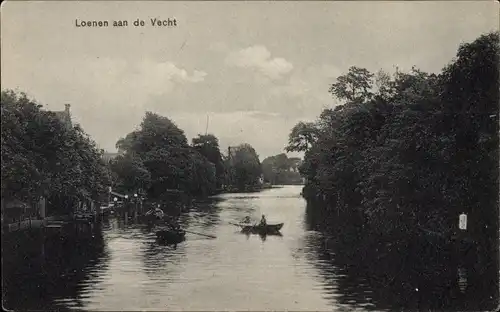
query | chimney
(66,107)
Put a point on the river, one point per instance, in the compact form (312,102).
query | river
(126,269)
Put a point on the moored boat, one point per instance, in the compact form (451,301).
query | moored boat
(267,229)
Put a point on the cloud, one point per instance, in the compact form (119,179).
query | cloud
(266,132)
(102,73)
(107,80)
(154,76)
(258,57)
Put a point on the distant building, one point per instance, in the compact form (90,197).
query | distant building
(107,157)
(65,115)
(295,164)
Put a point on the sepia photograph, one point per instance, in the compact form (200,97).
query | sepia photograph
(250,155)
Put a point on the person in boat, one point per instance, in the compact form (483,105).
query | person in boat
(263,221)
(247,219)
(158,212)
(173,224)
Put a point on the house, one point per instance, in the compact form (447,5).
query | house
(65,116)
(231,154)
(14,210)
(19,215)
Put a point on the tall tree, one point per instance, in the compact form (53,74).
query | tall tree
(302,137)
(354,87)
(132,174)
(244,166)
(42,156)
(208,146)
(416,151)
(161,148)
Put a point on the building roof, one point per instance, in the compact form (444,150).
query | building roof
(65,115)
(60,114)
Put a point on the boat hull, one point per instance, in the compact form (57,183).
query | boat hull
(151,219)
(269,229)
(171,237)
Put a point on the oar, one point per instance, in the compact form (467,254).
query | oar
(237,224)
(211,236)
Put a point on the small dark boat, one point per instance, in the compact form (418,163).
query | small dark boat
(171,236)
(268,229)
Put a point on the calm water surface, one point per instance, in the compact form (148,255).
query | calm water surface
(126,269)
(231,272)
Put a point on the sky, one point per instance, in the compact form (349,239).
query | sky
(254,68)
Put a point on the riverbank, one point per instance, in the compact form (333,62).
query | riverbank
(419,244)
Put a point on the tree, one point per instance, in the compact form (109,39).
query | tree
(203,175)
(155,132)
(273,167)
(276,169)
(354,87)
(302,137)
(158,157)
(469,115)
(208,146)
(414,152)
(41,156)
(132,174)
(125,144)
(244,167)
(269,170)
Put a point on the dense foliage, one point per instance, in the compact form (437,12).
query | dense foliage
(157,158)
(43,156)
(208,146)
(280,169)
(409,151)
(243,168)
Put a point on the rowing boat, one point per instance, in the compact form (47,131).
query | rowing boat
(171,236)
(268,229)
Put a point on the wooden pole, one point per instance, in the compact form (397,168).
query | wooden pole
(211,236)
(206,128)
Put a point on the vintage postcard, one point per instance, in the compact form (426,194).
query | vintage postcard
(250,155)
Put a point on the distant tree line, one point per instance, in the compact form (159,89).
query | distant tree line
(43,156)
(281,170)
(157,157)
(409,151)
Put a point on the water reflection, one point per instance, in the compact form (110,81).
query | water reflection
(205,213)
(47,275)
(262,236)
(158,259)
(420,275)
